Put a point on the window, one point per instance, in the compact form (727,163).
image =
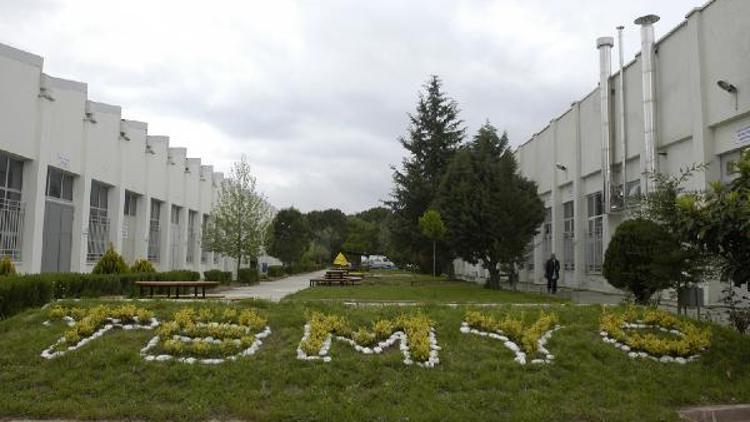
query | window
(11,207)
(728,163)
(154,232)
(594,231)
(204,251)
(529,264)
(175,216)
(547,234)
(192,235)
(131,204)
(98,236)
(568,236)
(59,184)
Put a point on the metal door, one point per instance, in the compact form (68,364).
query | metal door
(58,237)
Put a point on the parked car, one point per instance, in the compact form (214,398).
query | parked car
(382,265)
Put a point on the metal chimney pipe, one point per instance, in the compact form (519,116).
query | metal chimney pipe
(649,98)
(605,44)
(621,122)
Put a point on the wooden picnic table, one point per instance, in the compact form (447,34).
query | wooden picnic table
(336,277)
(177,285)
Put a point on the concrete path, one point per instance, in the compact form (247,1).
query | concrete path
(273,290)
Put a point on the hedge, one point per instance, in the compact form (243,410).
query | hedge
(276,271)
(223,277)
(247,275)
(24,291)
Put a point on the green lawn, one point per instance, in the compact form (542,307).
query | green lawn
(476,379)
(418,288)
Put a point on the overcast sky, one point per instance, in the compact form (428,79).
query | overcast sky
(316,93)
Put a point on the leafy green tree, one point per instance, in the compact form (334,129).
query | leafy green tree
(719,222)
(328,230)
(431,224)
(641,259)
(362,236)
(490,210)
(239,221)
(110,263)
(290,236)
(435,132)
(381,217)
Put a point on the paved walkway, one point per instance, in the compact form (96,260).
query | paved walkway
(273,290)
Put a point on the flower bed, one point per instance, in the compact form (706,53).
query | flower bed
(671,339)
(87,325)
(203,336)
(522,340)
(415,333)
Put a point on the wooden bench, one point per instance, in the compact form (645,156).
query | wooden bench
(177,285)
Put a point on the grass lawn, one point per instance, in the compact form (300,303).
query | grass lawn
(418,288)
(476,379)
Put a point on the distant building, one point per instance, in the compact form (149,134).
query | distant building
(686,100)
(75,176)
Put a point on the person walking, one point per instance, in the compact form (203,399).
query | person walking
(552,273)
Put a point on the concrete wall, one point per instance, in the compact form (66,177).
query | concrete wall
(696,122)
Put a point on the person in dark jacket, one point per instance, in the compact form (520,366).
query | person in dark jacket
(552,273)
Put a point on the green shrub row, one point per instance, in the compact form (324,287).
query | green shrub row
(223,277)
(280,271)
(24,291)
(248,276)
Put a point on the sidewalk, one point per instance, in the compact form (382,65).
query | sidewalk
(273,290)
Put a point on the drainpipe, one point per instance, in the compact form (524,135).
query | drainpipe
(621,122)
(649,98)
(604,44)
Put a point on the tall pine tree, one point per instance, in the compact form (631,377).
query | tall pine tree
(490,210)
(434,135)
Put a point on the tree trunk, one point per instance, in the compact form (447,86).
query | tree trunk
(494,281)
(239,262)
(434,259)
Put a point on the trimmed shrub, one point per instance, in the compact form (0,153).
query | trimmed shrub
(24,291)
(110,263)
(7,267)
(276,271)
(223,277)
(247,276)
(641,258)
(142,266)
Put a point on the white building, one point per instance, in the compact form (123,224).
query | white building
(75,176)
(685,99)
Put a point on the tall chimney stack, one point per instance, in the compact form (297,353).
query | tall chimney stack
(605,44)
(649,98)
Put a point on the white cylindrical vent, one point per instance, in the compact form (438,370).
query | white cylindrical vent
(604,44)
(649,99)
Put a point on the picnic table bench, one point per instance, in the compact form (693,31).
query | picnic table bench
(177,285)
(336,277)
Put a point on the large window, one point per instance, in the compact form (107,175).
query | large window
(529,264)
(569,261)
(59,184)
(547,234)
(98,237)
(11,207)
(204,252)
(594,232)
(154,232)
(175,216)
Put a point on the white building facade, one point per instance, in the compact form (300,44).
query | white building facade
(75,176)
(684,99)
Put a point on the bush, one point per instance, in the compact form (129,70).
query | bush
(24,291)
(223,277)
(641,258)
(110,263)
(142,266)
(6,267)
(247,276)
(276,271)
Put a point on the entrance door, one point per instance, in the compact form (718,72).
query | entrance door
(58,237)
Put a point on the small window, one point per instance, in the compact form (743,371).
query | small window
(595,205)
(175,217)
(59,184)
(131,204)
(99,195)
(155,209)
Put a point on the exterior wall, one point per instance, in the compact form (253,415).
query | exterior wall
(696,122)
(50,122)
